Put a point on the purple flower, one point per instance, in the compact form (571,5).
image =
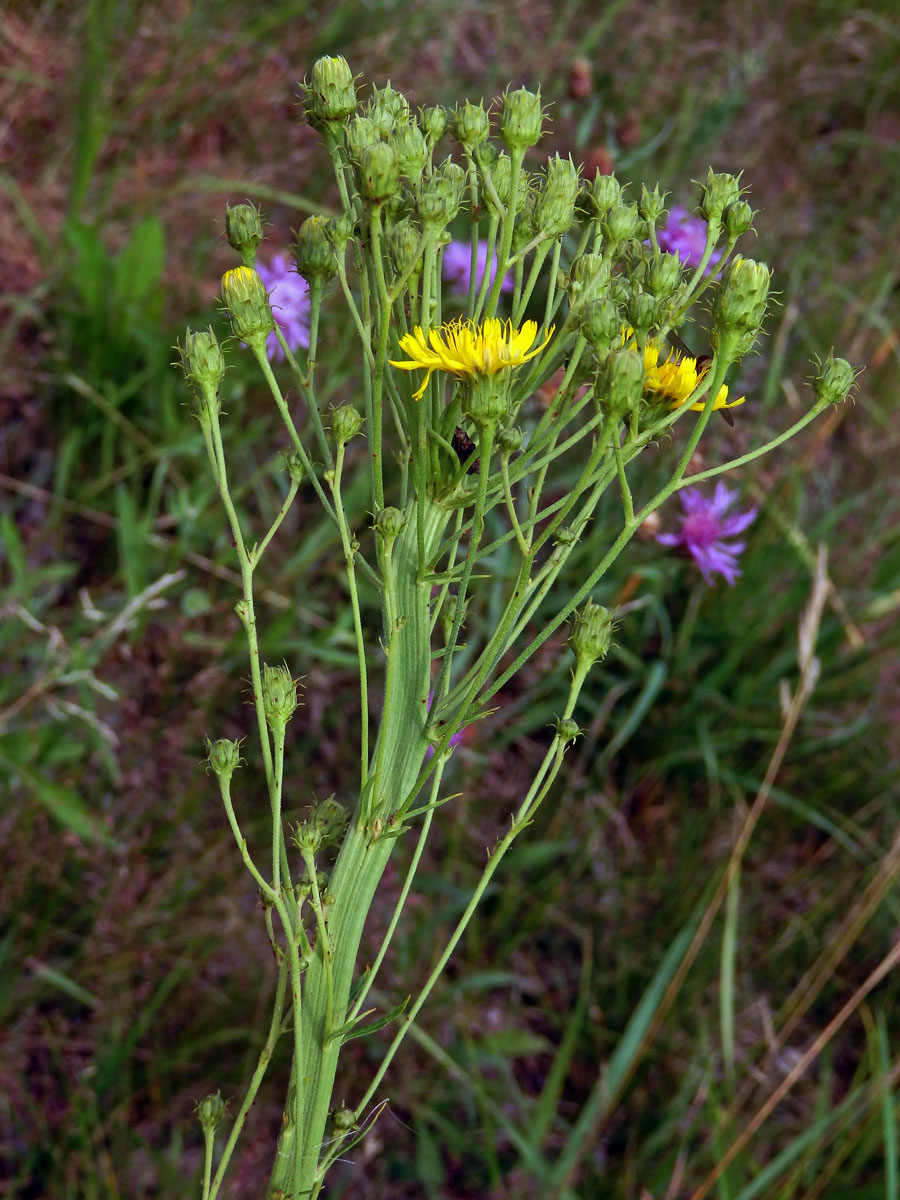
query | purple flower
(685,236)
(457,267)
(289,298)
(704,528)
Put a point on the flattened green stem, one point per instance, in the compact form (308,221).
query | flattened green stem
(540,786)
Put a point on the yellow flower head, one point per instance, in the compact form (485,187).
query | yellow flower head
(676,377)
(468,351)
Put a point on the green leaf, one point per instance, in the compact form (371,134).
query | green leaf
(61,802)
(139,267)
(352,1029)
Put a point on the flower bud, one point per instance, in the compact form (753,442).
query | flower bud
(621,223)
(360,132)
(509,441)
(592,630)
(716,194)
(587,275)
(223,757)
(203,364)
(740,305)
(247,304)
(555,207)
(663,275)
(565,536)
(440,198)
(622,382)
(389,524)
(567,730)
(379,172)
(314,254)
(738,219)
(279,695)
(834,379)
(211,1112)
(412,152)
(330,91)
(343,1119)
(521,119)
(601,324)
(388,109)
(293,464)
(434,124)
(324,827)
(643,313)
(339,231)
(404,247)
(471,125)
(524,228)
(244,230)
(346,423)
(604,193)
(652,205)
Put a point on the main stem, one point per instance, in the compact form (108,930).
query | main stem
(397,760)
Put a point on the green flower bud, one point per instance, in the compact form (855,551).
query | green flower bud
(346,423)
(592,630)
(343,1119)
(379,172)
(652,205)
(244,230)
(389,524)
(471,125)
(388,109)
(738,219)
(604,194)
(587,275)
(643,313)
(412,151)
(521,119)
(211,1112)
(223,757)
(555,208)
(663,275)
(434,124)
(565,536)
(740,305)
(622,382)
(247,304)
(509,441)
(330,92)
(314,253)
(621,223)
(834,379)
(601,324)
(567,730)
(361,132)
(279,696)
(339,231)
(324,827)
(716,194)
(293,464)
(404,247)
(441,197)
(203,364)
(486,401)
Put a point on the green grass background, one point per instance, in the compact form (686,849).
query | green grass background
(135,971)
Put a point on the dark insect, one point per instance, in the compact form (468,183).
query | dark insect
(464,447)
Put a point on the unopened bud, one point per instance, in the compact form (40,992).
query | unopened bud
(343,1119)
(604,194)
(663,275)
(339,231)
(405,247)
(313,253)
(440,199)
(203,364)
(211,1112)
(379,172)
(834,379)
(471,125)
(247,304)
(622,382)
(738,219)
(434,124)
(716,194)
(740,305)
(388,109)
(601,324)
(509,441)
(567,730)
(652,205)
(643,313)
(293,464)
(361,132)
(330,91)
(621,223)
(565,536)
(346,423)
(279,696)
(244,230)
(389,523)
(592,630)
(521,119)
(555,208)
(412,152)
(223,757)
(587,275)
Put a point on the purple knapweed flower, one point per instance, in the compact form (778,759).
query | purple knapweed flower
(685,236)
(704,528)
(457,267)
(289,298)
